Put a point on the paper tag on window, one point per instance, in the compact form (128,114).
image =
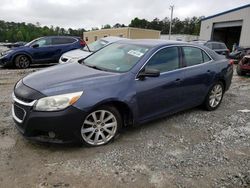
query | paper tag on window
(135,53)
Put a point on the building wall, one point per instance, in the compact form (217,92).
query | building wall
(242,14)
(136,33)
(180,37)
(126,32)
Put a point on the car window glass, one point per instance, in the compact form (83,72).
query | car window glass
(43,42)
(206,58)
(116,57)
(58,41)
(193,56)
(216,46)
(222,46)
(209,45)
(94,46)
(165,60)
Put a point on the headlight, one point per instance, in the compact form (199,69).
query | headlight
(58,102)
(73,60)
(6,52)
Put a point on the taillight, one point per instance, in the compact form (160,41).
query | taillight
(231,62)
(82,43)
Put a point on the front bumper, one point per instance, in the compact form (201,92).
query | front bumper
(4,61)
(55,127)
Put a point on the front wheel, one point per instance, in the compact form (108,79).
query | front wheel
(101,126)
(214,96)
(22,62)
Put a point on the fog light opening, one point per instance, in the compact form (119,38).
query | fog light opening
(52,134)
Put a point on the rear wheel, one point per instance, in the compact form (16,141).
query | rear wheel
(239,71)
(214,96)
(101,126)
(22,62)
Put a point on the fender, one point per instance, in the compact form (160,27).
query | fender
(21,53)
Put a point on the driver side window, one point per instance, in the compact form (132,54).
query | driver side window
(165,60)
(43,42)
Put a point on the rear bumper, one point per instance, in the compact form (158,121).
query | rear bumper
(245,68)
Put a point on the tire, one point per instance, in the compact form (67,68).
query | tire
(101,126)
(239,71)
(22,62)
(214,96)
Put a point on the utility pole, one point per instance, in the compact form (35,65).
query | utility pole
(171,19)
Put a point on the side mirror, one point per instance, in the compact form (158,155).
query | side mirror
(148,72)
(35,46)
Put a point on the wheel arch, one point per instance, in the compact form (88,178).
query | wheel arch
(22,53)
(124,109)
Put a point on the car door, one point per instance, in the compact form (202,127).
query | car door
(198,73)
(62,45)
(42,50)
(159,95)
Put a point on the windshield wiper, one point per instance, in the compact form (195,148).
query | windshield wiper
(94,67)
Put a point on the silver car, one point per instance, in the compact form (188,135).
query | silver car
(75,55)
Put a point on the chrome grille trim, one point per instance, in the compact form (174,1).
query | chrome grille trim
(22,102)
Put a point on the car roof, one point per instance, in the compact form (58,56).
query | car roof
(153,42)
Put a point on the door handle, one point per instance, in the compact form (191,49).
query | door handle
(178,81)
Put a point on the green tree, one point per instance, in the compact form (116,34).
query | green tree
(19,36)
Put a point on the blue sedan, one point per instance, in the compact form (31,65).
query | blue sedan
(125,83)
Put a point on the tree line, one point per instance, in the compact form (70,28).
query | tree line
(12,32)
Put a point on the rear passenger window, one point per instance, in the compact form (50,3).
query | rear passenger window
(216,46)
(193,56)
(58,41)
(165,60)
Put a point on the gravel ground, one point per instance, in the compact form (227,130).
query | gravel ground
(194,148)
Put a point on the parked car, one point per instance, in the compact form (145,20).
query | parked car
(244,66)
(41,50)
(218,47)
(239,53)
(127,82)
(16,44)
(75,55)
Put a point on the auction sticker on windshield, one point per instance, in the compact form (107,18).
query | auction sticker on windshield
(135,53)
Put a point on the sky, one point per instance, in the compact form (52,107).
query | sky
(96,13)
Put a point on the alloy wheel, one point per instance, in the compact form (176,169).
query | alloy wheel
(215,95)
(99,127)
(22,62)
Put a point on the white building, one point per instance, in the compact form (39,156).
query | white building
(230,27)
(180,37)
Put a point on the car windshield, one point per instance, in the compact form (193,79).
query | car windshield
(95,45)
(116,57)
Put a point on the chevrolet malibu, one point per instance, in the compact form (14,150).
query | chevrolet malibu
(125,83)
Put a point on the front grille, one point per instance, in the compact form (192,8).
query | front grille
(19,112)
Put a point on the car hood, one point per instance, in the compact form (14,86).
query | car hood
(76,54)
(68,77)
(19,48)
